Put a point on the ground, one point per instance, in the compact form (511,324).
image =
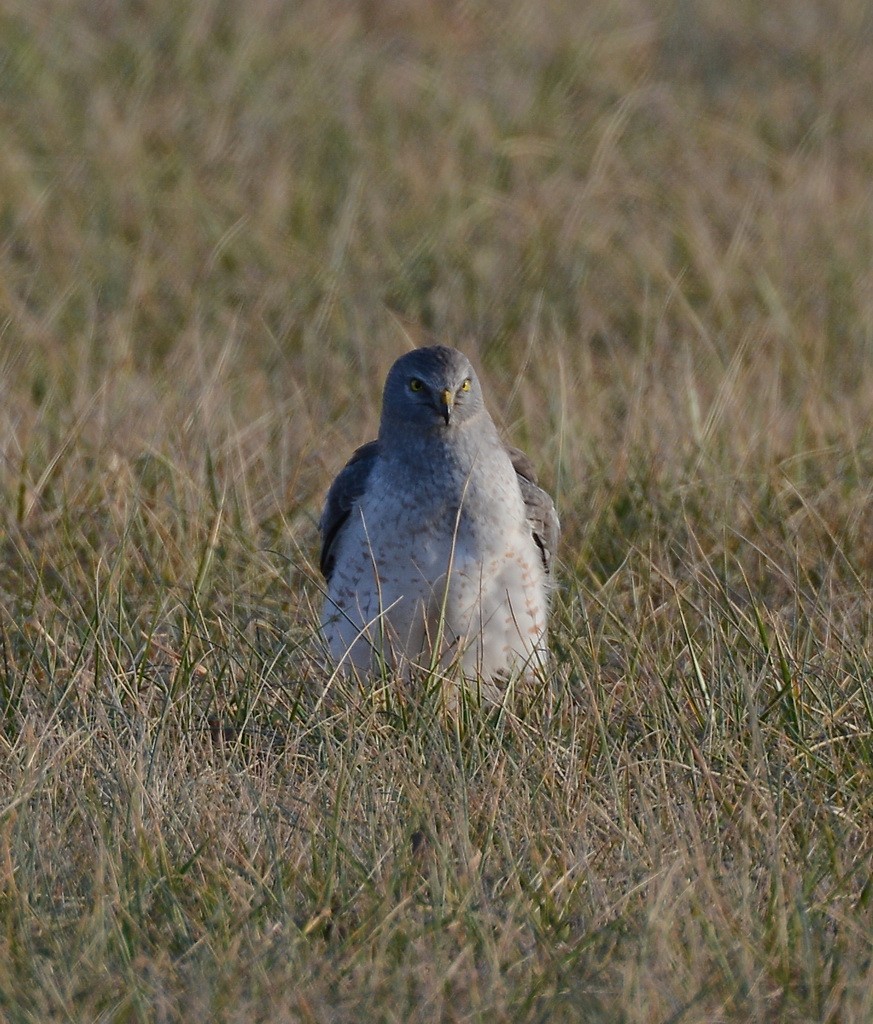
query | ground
(650,225)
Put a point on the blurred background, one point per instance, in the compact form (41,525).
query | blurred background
(229,219)
(649,222)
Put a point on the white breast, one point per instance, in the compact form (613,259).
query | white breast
(471,586)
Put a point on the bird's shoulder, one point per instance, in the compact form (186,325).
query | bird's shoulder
(346,489)
(539,507)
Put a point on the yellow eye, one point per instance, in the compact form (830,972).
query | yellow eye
(466,385)
(415,384)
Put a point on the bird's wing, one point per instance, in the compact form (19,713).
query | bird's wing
(344,492)
(541,514)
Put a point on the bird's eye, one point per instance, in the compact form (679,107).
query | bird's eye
(466,385)
(415,384)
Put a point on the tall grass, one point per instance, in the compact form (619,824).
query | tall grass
(650,224)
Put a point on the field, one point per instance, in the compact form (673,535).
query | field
(650,225)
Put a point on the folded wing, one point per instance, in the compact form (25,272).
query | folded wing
(346,489)
(541,514)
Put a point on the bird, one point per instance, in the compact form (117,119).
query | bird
(437,544)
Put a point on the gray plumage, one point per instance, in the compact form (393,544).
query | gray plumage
(437,542)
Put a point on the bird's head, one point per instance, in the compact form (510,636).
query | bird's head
(431,388)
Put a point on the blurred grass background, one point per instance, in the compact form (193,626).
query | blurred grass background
(650,224)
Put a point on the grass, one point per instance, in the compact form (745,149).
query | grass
(649,223)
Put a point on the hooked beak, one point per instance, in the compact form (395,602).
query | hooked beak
(447,402)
